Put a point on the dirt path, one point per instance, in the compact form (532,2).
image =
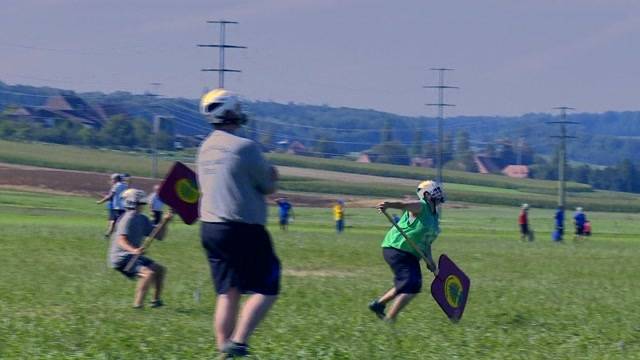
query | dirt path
(32,178)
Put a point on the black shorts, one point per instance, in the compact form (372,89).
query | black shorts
(142,261)
(115,214)
(524,229)
(241,256)
(407,277)
(579,229)
(157,217)
(284,221)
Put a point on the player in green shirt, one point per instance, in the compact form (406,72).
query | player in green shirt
(419,222)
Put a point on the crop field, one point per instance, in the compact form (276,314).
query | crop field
(460,186)
(539,300)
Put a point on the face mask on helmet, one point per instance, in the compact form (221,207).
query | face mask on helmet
(431,191)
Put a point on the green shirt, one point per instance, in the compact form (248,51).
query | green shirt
(423,230)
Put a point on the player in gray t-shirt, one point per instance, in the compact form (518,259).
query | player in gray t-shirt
(127,241)
(234,179)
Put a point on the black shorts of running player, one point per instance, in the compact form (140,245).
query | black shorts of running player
(407,277)
(115,214)
(241,256)
(141,262)
(524,229)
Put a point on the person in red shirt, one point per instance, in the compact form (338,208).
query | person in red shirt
(523,221)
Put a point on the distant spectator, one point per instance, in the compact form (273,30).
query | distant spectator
(338,216)
(579,219)
(156,205)
(110,219)
(559,221)
(523,221)
(587,228)
(115,198)
(285,210)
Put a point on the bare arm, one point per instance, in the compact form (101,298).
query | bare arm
(431,265)
(414,207)
(123,242)
(105,198)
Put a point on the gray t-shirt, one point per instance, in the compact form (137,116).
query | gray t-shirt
(135,226)
(234,178)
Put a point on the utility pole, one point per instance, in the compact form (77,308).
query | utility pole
(154,160)
(221,49)
(519,150)
(156,128)
(562,152)
(441,105)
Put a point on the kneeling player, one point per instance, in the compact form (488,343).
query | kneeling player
(127,241)
(420,223)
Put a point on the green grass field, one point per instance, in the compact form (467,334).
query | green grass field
(537,300)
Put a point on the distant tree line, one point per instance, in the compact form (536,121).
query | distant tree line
(118,131)
(623,176)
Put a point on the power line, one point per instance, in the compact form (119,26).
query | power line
(441,105)
(562,152)
(221,49)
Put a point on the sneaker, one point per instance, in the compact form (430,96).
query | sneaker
(231,349)
(157,303)
(138,307)
(377,308)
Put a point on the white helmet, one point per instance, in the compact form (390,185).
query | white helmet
(222,107)
(432,189)
(525,206)
(133,198)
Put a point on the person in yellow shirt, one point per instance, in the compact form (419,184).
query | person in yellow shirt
(338,215)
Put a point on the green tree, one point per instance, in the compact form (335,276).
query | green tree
(429,150)
(118,131)
(464,154)
(7,128)
(581,174)
(416,147)
(448,148)
(142,131)
(506,154)
(323,147)
(387,131)
(391,152)
(490,150)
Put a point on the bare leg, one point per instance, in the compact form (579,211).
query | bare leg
(253,311)
(146,276)
(225,316)
(388,296)
(110,226)
(399,303)
(160,272)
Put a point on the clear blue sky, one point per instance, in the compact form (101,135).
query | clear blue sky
(512,57)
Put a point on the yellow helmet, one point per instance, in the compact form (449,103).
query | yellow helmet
(222,106)
(431,188)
